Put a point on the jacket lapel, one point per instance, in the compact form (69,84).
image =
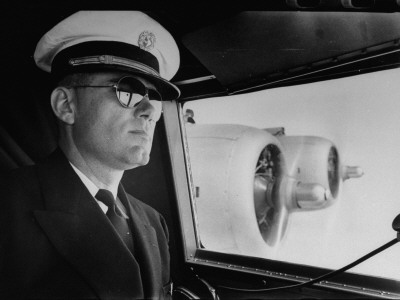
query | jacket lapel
(146,247)
(80,231)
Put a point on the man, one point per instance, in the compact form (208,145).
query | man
(68,229)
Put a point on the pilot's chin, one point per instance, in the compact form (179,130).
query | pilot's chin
(141,158)
(145,160)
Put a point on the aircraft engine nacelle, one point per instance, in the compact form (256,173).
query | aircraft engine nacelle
(313,159)
(223,159)
(244,191)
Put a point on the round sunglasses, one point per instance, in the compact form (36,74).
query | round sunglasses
(130,91)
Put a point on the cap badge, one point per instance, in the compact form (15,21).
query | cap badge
(146,40)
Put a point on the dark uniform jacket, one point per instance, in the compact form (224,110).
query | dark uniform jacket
(56,242)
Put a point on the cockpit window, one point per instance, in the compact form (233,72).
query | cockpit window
(307,174)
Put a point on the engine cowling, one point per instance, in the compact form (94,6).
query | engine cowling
(312,159)
(223,160)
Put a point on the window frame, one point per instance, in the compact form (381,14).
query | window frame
(266,270)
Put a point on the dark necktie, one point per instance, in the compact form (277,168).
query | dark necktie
(116,218)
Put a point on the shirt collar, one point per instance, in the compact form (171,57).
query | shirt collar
(93,189)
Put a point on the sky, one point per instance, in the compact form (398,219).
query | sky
(360,115)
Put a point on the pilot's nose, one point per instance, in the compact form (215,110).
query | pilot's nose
(148,110)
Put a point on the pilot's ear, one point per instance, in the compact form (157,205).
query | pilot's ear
(63,105)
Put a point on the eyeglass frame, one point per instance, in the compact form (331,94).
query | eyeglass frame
(115,86)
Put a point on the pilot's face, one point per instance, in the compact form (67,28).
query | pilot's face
(107,132)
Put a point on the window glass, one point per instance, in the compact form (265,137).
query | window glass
(307,174)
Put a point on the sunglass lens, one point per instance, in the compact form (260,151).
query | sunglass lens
(130,91)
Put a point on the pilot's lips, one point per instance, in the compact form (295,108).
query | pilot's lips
(140,133)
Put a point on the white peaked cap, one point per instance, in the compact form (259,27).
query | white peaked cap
(116,40)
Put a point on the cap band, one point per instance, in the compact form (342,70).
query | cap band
(104,55)
(112,60)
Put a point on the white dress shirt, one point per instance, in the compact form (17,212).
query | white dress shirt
(93,189)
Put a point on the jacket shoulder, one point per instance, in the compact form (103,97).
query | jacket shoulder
(18,180)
